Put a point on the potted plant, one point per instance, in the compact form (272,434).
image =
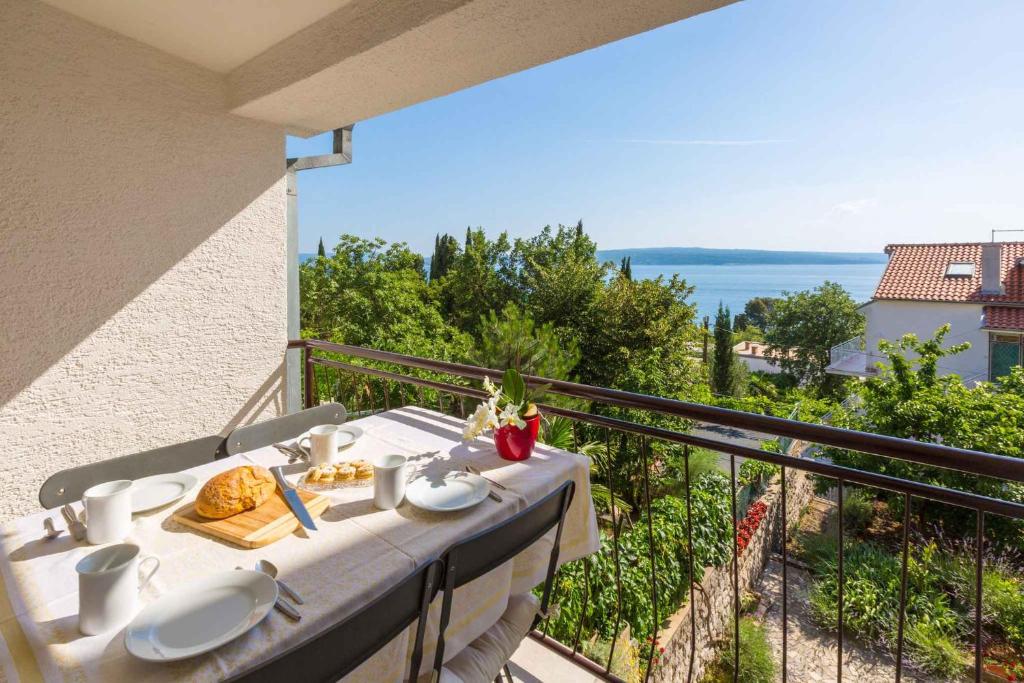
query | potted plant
(510,413)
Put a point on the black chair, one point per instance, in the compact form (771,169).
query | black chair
(336,652)
(472,558)
(69,485)
(283,428)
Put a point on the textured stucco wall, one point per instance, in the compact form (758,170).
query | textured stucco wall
(142,242)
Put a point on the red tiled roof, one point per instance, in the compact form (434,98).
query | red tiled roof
(1004,318)
(917,272)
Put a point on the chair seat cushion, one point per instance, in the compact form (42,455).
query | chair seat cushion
(481,660)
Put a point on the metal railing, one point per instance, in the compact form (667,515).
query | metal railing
(429,389)
(852,358)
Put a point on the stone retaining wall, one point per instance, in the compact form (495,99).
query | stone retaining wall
(714,596)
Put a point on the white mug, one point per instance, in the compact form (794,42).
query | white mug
(108,511)
(388,481)
(322,444)
(108,587)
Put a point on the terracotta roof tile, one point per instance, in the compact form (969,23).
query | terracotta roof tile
(1004,318)
(917,272)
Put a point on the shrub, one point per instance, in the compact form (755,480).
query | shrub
(871,602)
(1002,594)
(712,545)
(858,510)
(756,662)
(756,473)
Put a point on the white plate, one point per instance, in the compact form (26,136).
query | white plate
(455,491)
(150,493)
(201,616)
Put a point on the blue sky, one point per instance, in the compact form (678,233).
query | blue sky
(777,124)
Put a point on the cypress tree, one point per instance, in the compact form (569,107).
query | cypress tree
(320,251)
(626,267)
(435,258)
(723,379)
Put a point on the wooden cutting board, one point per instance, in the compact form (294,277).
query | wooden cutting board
(270,522)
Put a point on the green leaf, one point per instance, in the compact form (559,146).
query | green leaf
(514,387)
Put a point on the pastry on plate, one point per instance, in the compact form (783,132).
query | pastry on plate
(344,472)
(364,470)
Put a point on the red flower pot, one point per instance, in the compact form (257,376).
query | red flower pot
(514,443)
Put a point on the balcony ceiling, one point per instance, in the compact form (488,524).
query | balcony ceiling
(217,34)
(315,65)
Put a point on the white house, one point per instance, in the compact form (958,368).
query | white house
(756,357)
(977,288)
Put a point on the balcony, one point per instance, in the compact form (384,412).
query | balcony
(693,619)
(852,359)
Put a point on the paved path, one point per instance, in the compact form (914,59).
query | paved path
(812,650)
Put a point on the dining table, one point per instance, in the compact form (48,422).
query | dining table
(354,556)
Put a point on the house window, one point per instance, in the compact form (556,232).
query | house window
(960,269)
(1003,355)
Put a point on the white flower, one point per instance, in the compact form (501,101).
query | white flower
(490,388)
(510,415)
(482,419)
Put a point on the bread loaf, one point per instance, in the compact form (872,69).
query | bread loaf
(228,493)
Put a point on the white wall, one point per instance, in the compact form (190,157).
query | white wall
(759,364)
(142,242)
(892,319)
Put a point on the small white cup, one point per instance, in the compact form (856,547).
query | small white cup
(108,511)
(321,444)
(108,587)
(388,481)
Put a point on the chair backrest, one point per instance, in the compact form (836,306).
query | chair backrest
(69,485)
(337,651)
(283,428)
(475,556)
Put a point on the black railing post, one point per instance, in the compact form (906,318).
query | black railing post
(309,376)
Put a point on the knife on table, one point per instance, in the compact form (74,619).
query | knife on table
(291,496)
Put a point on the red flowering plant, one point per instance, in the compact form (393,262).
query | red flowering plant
(1009,669)
(749,524)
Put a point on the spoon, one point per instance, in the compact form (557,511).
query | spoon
(284,607)
(268,568)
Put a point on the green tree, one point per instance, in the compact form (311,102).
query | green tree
(757,310)
(558,277)
(320,251)
(639,335)
(626,267)
(513,340)
(370,294)
(802,328)
(446,251)
(480,278)
(725,376)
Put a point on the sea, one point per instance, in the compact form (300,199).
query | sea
(734,285)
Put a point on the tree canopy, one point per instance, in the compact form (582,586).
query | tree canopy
(802,327)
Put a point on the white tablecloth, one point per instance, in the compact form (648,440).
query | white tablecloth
(357,553)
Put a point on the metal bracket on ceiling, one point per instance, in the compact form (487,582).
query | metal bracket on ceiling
(341,155)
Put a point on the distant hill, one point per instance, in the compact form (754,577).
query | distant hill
(675,256)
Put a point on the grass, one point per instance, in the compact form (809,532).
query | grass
(858,510)
(756,662)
